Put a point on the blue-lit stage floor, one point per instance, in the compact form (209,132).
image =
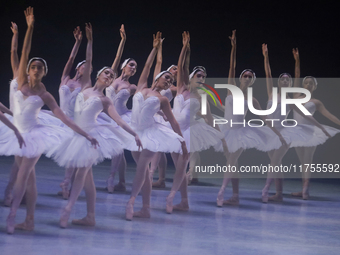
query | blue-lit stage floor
(292,227)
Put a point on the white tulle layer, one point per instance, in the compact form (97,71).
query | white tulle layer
(78,151)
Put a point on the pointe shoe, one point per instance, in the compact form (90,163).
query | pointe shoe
(182,206)
(65,215)
(169,206)
(276,198)
(120,187)
(296,194)
(86,221)
(234,200)
(27,225)
(143,213)
(10,223)
(305,193)
(219,200)
(109,184)
(265,195)
(129,211)
(158,184)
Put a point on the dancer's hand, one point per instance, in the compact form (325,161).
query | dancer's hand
(186,37)
(138,142)
(29,16)
(283,141)
(157,40)
(88,29)
(93,141)
(122,32)
(78,34)
(326,133)
(296,54)
(20,139)
(264,50)
(233,38)
(14,28)
(185,151)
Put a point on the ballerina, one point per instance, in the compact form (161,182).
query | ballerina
(77,153)
(119,92)
(39,138)
(292,135)
(155,136)
(305,151)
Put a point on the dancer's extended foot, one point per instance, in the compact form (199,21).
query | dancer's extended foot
(265,195)
(276,198)
(182,206)
(219,200)
(120,187)
(143,213)
(86,221)
(27,225)
(10,222)
(109,184)
(159,184)
(234,200)
(65,215)
(169,203)
(129,211)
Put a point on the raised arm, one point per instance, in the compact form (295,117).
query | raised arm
(159,60)
(67,69)
(182,81)
(186,71)
(297,71)
(269,79)
(120,50)
(322,109)
(14,50)
(85,80)
(26,48)
(231,76)
(143,79)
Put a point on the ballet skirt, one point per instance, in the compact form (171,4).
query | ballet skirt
(119,101)
(44,116)
(154,135)
(197,134)
(39,138)
(239,136)
(300,134)
(78,151)
(318,136)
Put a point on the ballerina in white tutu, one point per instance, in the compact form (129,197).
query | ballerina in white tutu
(77,152)
(154,136)
(119,92)
(305,150)
(292,135)
(39,138)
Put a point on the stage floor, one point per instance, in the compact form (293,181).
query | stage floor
(292,227)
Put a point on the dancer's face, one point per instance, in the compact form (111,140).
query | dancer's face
(309,84)
(36,70)
(165,81)
(197,79)
(247,78)
(284,81)
(130,68)
(106,77)
(173,70)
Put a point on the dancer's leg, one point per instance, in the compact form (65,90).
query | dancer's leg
(64,185)
(162,164)
(12,177)
(195,160)
(115,163)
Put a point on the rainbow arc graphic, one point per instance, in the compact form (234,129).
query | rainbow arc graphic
(209,93)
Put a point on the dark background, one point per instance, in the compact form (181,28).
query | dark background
(313,27)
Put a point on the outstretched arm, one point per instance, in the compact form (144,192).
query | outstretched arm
(143,79)
(182,80)
(85,80)
(67,69)
(11,126)
(5,109)
(159,60)
(231,76)
(297,71)
(269,79)
(26,48)
(322,109)
(120,50)
(14,50)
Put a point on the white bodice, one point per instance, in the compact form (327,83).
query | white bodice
(119,100)
(68,99)
(311,107)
